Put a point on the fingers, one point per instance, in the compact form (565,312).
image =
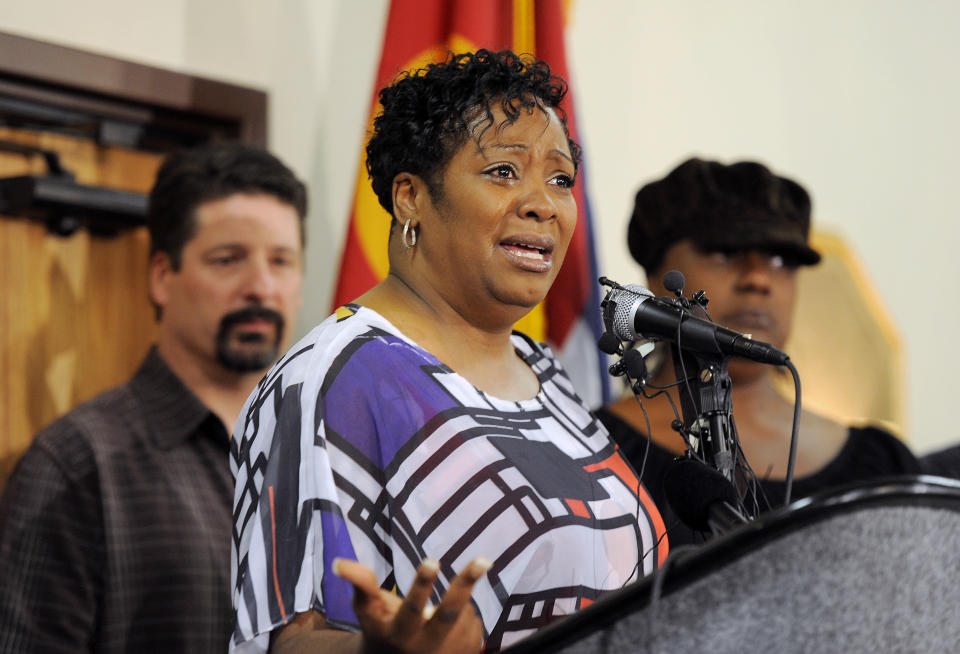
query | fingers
(458,595)
(413,621)
(466,634)
(455,606)
(363,578)
(413,609)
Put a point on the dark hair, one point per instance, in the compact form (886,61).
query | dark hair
(189,178)
(428,113)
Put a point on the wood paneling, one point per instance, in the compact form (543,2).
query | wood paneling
(75,317)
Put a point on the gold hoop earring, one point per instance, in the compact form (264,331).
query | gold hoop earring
(412,232)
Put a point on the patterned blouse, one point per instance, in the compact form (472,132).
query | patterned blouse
(360,444)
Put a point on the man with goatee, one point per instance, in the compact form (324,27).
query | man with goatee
(115,526)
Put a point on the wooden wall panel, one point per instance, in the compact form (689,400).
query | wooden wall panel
(75,317)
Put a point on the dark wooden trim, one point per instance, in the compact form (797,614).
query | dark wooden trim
(125,86)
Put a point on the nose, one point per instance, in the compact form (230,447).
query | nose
(755,273)
(537,203)
(260,282)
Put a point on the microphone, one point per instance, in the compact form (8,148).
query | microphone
(631,364)
(632,313)
(608,343)
(634,365)
(701,496)
(674,282)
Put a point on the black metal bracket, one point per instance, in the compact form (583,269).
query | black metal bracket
(64,205)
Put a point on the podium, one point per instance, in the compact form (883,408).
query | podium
(871,567)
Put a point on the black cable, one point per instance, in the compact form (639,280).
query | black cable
(792,460)
(665,387)
(676,415)
(650,550)
(660,576)
(754,489)
(683,369)
(643,466)
(646,449)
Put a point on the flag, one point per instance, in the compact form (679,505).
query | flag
(420,32)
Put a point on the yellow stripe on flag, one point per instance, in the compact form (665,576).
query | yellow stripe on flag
(524,27)
(534,324)
(372,220)
(458,43)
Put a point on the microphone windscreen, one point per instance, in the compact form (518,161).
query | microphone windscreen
(634,364)
(608,343)
(673,281)
(692,487)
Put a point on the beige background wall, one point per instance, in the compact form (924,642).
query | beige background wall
(857,99)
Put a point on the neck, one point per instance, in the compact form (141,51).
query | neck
(754,396)
(764,421)
(438,325)
(479,351)
(222,391)
(757,394)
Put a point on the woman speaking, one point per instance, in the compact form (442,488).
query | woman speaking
(414,476)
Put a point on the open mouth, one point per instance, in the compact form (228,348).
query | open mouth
(531,252)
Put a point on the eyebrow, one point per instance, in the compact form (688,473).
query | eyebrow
(523,148)
(241,246)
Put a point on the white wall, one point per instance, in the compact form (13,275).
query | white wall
(854,98)
(857,99)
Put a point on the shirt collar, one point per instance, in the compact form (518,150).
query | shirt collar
(173,412)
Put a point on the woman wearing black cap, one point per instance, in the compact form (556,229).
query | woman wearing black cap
(739,232)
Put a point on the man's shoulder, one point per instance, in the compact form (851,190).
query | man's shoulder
(115,406)
(100,422)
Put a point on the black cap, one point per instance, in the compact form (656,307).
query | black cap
(722,208)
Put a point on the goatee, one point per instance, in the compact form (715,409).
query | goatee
(249,359)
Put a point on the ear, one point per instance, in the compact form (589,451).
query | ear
(409,195)
(161,272)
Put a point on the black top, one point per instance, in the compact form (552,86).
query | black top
(943,463)
(868,452)
(115,526)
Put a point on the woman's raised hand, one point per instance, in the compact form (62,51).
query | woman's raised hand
(410,625)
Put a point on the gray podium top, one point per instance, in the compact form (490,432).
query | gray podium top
(872,567)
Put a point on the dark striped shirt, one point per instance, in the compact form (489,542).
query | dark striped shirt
(115,526)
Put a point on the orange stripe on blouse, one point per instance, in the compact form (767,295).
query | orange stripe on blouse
(273,535)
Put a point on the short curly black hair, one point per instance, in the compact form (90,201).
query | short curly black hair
(192,177)
(429,113)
